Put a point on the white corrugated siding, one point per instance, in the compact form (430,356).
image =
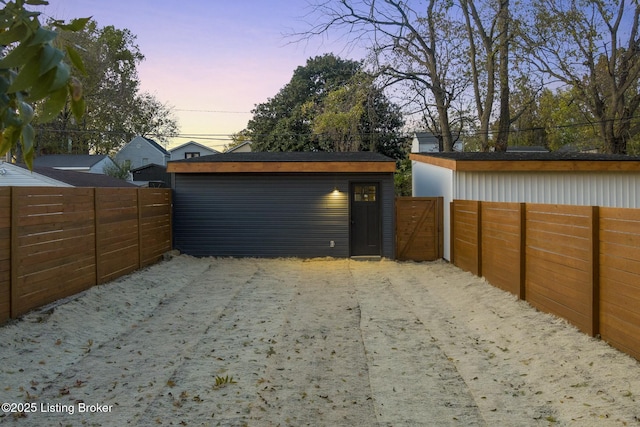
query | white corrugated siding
(611,189)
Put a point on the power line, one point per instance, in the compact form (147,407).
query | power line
(229,137)
(212,111)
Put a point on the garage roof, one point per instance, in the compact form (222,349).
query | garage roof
(285,162)
(530,162)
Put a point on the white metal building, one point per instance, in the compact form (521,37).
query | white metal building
(551,178)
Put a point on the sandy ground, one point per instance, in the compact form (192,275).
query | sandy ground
(322,342)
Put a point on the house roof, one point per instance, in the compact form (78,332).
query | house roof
(266,162)
(69,160)
(425,137)
(237,147)
(526,149)
(18,175)
(149,166)
(196,144)
(529,161)
(155,145)
(81,179)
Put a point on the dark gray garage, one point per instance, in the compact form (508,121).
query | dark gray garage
(284,205)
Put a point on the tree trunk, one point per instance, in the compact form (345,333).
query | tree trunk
(443,119)
(504,121)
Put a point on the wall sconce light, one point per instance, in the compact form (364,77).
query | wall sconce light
(335,190)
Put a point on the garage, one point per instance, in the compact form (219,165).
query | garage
(276,204)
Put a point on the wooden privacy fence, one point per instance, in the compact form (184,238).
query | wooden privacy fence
(56,242)
(419,234)
(581,263)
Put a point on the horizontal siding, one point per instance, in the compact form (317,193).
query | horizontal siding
(609,189)
(270,215)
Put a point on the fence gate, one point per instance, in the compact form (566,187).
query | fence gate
(419,234)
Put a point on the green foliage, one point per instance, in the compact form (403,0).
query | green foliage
(591,48)
(337,125)
(633,145)
(566,121)
(116,170)
(34,72)
(330,104)
(237,139)
(402,178)
(119,110)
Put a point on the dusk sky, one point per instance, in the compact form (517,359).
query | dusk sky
(217,57)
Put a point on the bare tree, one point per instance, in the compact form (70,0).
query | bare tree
(415,43)
(489,39)
(581,44)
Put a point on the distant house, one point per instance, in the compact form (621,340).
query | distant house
(426,142)
(91,163)
(191,149)
(245,147)
(142,151)
(152,175)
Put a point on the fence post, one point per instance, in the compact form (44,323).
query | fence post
(139,201)
(439,225)
(479,238)
(595,270)
(452,234)
(96,232)
(13,255)
(523,251)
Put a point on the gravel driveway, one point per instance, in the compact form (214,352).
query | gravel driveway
(294,342)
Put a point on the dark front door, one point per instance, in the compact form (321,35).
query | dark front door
(365,219)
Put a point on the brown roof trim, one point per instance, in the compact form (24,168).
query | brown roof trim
(533,165)
(281,167)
